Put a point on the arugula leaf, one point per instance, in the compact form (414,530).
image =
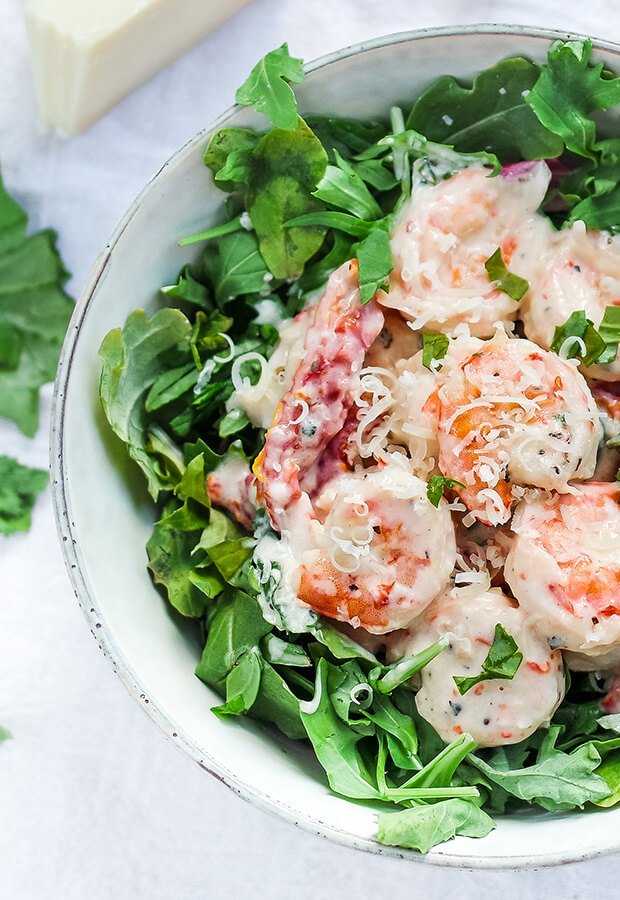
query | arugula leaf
(169,553)
(502,661)
(34,314)
(283,653)
(559,781)
(399,672)
(505,281)
(215,232)
(286,167)
(19,486)
(131,361)
(436,486)
(493,114)
(267,87)
(5,734)
(242,685)
(435,347)
(609,332)
(335,744)
(569,90)
(343,187)
(227,156)
(332,219)
(424,826)
(235,266)
(189,289)
(374,258)
(588,344)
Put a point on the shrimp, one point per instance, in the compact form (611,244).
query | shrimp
(260,400)
(494,712)
(381,553)
(582,273)
(511,414)
(564,570)
(230,486)
(370,549)
(448,231)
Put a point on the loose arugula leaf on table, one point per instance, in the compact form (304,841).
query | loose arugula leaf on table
(436,486)
(568,91)
(435,347)
(505,281)
(502,661)
(267,88)
(19,486)
(424,826)
(34,314)
(493,114)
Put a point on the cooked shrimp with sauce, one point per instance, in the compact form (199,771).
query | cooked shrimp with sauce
(564,569)
(581,271)
(370,549)
(447,232)
(494,711)
(511,415)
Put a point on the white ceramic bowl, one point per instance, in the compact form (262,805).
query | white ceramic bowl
(104,516)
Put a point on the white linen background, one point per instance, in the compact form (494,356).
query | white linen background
(94,802)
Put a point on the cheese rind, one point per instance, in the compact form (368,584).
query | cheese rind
(88,56)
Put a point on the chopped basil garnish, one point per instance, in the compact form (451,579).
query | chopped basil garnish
(436,486)
(505,281)
(588,344)
(502,661)
(435,348)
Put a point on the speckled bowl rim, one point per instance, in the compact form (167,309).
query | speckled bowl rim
(442,856)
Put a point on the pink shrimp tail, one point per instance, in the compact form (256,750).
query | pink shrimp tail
(315,408)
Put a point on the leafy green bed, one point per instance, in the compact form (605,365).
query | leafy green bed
(301,199)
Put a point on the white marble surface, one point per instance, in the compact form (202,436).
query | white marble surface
(94,802)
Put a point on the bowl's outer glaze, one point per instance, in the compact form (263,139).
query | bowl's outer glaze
(104,516)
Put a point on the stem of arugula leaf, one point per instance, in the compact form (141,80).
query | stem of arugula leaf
(402,168)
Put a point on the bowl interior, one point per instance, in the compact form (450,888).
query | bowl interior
(105,517)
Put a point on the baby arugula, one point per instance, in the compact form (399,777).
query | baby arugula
(34,314)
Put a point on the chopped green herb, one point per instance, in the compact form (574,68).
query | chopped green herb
(19,486)
(435,347)
(577,338)
(502,661)
(505,281)
(436,486)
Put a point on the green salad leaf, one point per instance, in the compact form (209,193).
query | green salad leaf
(589,344)
(267,87)
(493,114)
(502,661)
(19,486)
(436,486)
(34,314)
(374,258)
(435,347)
(424,826)
(343,187)
(569,90)
(505,281)
(131,361)
(286,167)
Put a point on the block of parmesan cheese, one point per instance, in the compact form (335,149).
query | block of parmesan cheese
(88,54)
